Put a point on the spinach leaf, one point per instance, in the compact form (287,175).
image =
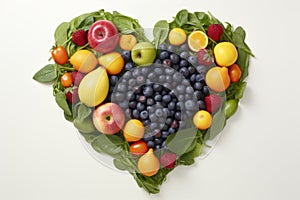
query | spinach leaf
(85,125)
(61,33)
(46,75)
(203,18)
(218,124)
(182,17)
(89,137)
(180,142)
(109,144)
(61,101)
(160,32)
(124,24)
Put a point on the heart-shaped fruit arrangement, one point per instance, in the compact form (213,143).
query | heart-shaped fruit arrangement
(150,105)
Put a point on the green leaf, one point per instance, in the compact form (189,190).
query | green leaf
(109,144)
(46,75)
(181,141)
(83,112)
(203,18)
(89,137)
(61,101)
(218,124)
(84,125)
(240,90)
(119,164)
(182,17)
(61,33)
(124,24)
(160,32)
(243,61)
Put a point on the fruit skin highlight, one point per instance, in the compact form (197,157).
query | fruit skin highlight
(108,118)
(148,164)
(226,54)
(217,79)
(93,88)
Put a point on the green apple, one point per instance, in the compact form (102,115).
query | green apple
(143,53)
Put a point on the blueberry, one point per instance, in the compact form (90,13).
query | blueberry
(157,87)
(190,105)
(151,109)
(153,118)
(150,144)
(172,105)
(200,78)
(202,69)
(164,134)
(159,113)
(193,60)
(171,48)
(184,55)
(192,70)
(158,98)
(188,96)
(118,96)
(130,96)
(167,112)
(157,133)
(167,85)
(148,91)
(164,55)
(168,121)
(150,102)
(113,80)
(179,105)
(126,75)
(140,80)
(174,58)
(166,98)
(162,47)
(121,87)
(193,78)
(184,47)
(146,122)
(199,95)
(175,124)
(137,90)
(140,106)
(126,55)
(153,125)
(162,78)
(168,79)
(165,128)
(202,105)
(177,77)
(135,114)
(181,97)
(198,86)
(142,99)
(158,71)
(183,63)
(157,141)
(189,90)
(169,71)
(184,71)
(131,82)
(171,130)
(136,72)
(164,92)
(167,62)
(129,66)
(132,104)
(152,76)
(176,67)
(158,61)
(205,90)
(157,147)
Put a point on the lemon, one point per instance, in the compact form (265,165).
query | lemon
(226,54)
(177,36)
(197,40)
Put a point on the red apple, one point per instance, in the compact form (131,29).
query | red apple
(103,36)
(109,118)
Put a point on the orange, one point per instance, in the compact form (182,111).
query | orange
(217,79)
(177,36)
(225,53)
(133,130)
(202,119)
(197,40)
(113,62)
(148,164)
(84,61)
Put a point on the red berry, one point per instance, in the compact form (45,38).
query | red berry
(77,77)
(79,37)
(212,102)
(205,58)
(215,32)
(168,160)
(72,96)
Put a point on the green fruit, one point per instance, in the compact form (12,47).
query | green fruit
(230,107)
(93,88)
(143,53)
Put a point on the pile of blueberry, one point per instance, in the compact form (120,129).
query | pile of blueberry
(162,96)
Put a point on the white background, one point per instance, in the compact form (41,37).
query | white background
(257,157)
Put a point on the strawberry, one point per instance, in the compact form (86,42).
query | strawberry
(79,37)
(72,96)
(212,102)
(77,77)
(215,31)
(168,160)
(205,58)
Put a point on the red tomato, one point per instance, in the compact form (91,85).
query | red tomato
(60,55)
(66,80)
(138,148)
(235,73)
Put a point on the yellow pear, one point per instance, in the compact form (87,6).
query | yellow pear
(93,88)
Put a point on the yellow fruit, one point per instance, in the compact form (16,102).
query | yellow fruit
(217,79)
(84,61)
(148,164)
(93,88)
(226,54)
(113,62)
(177,36)
(133,130)
(127,42)
(202,120)
(197,40)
